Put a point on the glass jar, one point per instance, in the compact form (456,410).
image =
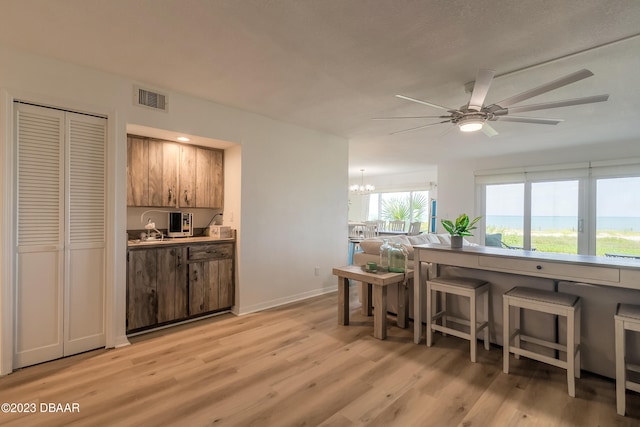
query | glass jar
(384,255)
(397,258)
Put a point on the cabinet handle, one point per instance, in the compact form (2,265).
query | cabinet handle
(539,267)
(186,198)
(170,194)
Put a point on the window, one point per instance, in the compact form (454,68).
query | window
(408,206)
(618,216)
(504,217)
(577,209)
(554,216)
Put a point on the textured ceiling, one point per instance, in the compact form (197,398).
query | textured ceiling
(332,65)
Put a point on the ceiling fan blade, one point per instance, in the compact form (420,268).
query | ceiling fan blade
(535,120)
(419,127)
(488,130)
(410,117)
(565,103)
(563,81)
(425,103)
(481,88)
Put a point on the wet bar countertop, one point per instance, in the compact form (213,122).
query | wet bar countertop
(177,241)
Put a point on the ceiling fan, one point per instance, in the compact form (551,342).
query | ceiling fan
(475,115)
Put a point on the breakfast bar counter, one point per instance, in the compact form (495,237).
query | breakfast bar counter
(602,282)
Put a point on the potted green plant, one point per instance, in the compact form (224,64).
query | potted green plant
(460,228)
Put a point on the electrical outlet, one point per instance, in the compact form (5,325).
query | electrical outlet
(316,271)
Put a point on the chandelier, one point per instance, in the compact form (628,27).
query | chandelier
(361,188)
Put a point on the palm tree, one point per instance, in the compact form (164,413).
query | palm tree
(419,206)
(396,208)
(405,209)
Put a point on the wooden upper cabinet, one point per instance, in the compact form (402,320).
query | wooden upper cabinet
(137,171)
(163,173)
(186,196)
(209,178)
(168,174)
(152,172)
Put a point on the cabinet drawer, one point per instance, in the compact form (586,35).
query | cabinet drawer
(556,270)
(210,251)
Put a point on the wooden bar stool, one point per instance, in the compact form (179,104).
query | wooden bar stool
(556,303)
(465,287)
(627,318)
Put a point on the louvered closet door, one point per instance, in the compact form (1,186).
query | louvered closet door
(85,239)
(40,255)
(61,238)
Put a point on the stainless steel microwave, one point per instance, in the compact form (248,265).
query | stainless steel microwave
(180,224)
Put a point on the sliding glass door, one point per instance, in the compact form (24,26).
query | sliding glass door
(576,210)
(504,216)
(555,219)
(618,216)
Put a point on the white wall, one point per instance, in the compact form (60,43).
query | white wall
(290,210)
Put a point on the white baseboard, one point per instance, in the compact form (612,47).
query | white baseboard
(240,311)
(121,341)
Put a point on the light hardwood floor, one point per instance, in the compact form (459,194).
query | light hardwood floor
(295,366)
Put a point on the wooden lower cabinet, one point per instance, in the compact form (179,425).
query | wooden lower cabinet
(211,282)
(170,284)
(210,286)
(156,287)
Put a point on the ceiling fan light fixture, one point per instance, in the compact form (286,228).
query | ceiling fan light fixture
(471,125)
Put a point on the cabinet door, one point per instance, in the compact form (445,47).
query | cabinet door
(141,289)
(211,286)
(181,296)
(217,180)
(209,178)
(186,193)
(137,171)
(163,173)
(226,288)
(203,287)
(196,287)
(171,284)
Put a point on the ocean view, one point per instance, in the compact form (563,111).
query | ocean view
(563,222)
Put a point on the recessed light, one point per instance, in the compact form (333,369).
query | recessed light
(183,139)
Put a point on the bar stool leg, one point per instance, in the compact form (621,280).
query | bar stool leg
(516,341)
(571,354)
(429,319)
(473,327)
(505,335)
(443,307)
(621,371)
(486,316)
(577,339)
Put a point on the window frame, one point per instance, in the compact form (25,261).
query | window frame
(425,223)
(587,174)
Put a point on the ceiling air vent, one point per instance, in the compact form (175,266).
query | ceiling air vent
(150,99)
